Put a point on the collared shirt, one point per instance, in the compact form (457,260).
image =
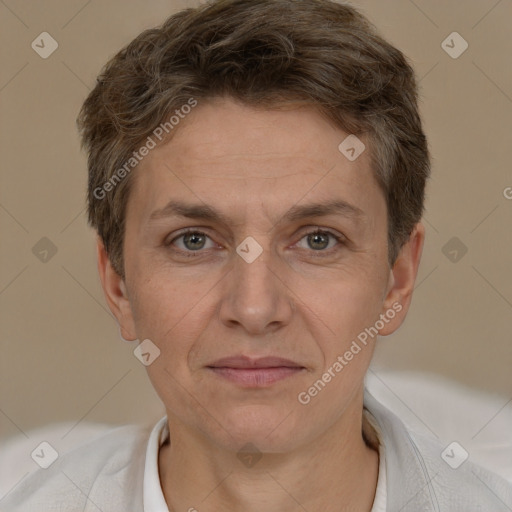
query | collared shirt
(153,495)
(107,473)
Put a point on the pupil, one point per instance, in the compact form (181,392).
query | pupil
(192,237)
(316,236)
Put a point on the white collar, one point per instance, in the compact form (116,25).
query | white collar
(153,495)
(381,493)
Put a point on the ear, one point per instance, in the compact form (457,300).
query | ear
(115,293)
(401,281)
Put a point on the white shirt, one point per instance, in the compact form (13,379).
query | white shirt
(153,495)
(118,471)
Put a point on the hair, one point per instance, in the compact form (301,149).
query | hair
(265,54)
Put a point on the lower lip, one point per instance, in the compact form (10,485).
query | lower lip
(256,377)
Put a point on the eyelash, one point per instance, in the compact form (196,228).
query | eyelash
(317,254)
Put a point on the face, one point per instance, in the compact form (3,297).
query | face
(227,277)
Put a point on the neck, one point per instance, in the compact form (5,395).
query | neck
(337,472)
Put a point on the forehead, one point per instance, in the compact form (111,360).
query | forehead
(221,128)
(227,154)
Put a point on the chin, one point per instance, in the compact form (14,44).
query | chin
(270,428)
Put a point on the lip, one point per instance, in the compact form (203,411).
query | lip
(240,362)
(255,372)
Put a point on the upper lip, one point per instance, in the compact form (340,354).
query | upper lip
(248,362)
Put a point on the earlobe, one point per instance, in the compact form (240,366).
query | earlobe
(402,279)
(116,295)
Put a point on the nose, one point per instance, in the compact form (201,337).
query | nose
(256,296)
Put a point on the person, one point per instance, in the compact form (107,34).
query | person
(257,176)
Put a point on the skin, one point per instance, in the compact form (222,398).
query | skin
(253,165)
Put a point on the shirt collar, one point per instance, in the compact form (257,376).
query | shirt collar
(381,493)
(409,477)
(153,496)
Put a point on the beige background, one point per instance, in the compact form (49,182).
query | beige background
(61,358)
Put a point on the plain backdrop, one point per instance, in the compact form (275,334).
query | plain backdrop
(61,357)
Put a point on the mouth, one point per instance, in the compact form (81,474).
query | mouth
(256,373)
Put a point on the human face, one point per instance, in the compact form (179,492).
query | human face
(304,298)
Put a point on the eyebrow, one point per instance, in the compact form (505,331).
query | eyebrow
(177,208)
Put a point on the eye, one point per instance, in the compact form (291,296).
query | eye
(192,241)
(318,241)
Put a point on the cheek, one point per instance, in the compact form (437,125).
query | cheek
(170,318)
(162,306)
(346,304)
(349,309)
(173,312)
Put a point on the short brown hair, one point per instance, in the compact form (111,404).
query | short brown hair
(263,53)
